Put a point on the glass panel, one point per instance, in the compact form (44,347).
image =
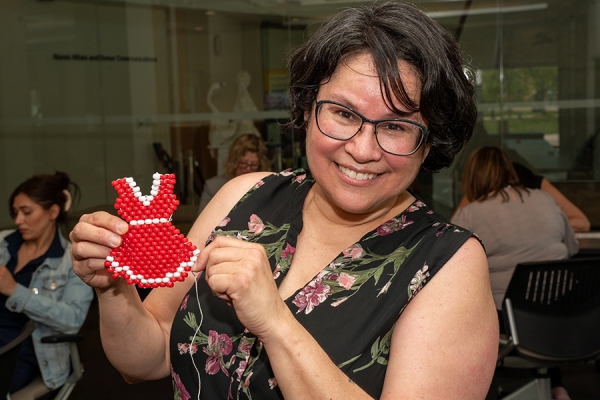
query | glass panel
(97,88)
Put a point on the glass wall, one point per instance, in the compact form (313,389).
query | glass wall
(106,89)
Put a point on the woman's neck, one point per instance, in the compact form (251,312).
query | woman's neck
(320,205)
(38,246)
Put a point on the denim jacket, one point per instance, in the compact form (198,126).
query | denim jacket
(58,302)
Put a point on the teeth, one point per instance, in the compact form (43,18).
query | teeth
(358,176)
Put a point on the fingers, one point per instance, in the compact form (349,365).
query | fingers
(100,228)
(215,252)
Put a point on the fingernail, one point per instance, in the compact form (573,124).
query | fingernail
(121,227)
(114,240)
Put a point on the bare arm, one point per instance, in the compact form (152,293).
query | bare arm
(453,318)
(579,222)
(135,335)
(445,343)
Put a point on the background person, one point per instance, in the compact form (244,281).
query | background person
(515,224)
(37,280)
(333,283)
(248,153)
(577,219)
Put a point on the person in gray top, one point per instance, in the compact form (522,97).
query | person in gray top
(515,224)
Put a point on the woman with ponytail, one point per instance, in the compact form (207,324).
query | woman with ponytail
(37,281)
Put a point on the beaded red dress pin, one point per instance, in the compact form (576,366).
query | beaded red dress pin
(153,252)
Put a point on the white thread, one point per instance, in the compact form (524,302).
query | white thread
(196,333)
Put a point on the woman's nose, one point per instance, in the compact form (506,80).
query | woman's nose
(363,146)
(19,219)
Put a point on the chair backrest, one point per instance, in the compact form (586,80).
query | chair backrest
(552,309)
(9,354)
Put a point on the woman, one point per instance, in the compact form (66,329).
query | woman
(577,219)
(247,153)
(37,281)
(343,285)
(516,224)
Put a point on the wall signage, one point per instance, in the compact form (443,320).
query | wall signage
(101,57)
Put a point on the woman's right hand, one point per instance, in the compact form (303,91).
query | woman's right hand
(93,238)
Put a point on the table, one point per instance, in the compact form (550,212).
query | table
(589,244)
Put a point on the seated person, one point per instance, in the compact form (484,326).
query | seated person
(37,280)
(516,224)
(578,220)
(248,153)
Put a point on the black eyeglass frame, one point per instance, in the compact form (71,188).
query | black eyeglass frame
(424,130)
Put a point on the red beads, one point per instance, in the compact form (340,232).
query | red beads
(153,252)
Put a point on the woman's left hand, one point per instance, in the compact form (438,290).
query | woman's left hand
(7,281)
(239,273)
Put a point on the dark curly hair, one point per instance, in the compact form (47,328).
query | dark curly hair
(47,190)
(390,32)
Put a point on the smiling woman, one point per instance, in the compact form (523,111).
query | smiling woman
(34,259)
(336,282)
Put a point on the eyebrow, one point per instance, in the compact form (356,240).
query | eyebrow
(390,116)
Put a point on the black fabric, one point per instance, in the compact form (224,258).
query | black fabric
(350,307)
(527,177)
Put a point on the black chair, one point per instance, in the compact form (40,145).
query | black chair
(551,312)
(8,358)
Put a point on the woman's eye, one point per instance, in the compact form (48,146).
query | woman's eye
(393,127)
(346,114)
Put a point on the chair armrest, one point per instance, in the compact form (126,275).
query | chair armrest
(506,346)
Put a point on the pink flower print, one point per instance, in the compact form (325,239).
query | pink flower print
(277,272)
(346,280)
(224,222)
(300,178)
(333,277)
(183,347)
(255,225)
(245,346)
(184,302)
(384,289)
(311,296)
(247,381)
(260,183)
(288,251)
(286,172)
(180,392)
(217,347)
(355,251)
(240,370)
(272,383)
(417,282)
(430,212)
(419,204)
(338,302)
(393,225)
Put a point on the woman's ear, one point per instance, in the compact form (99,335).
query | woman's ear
(54,211)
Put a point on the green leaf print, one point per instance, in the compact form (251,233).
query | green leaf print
(380,351)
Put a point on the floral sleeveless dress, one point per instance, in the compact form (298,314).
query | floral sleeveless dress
(350,307)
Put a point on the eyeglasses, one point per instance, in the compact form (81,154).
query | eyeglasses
(401,137)
(247,165)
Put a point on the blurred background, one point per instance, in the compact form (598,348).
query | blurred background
(109,88)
